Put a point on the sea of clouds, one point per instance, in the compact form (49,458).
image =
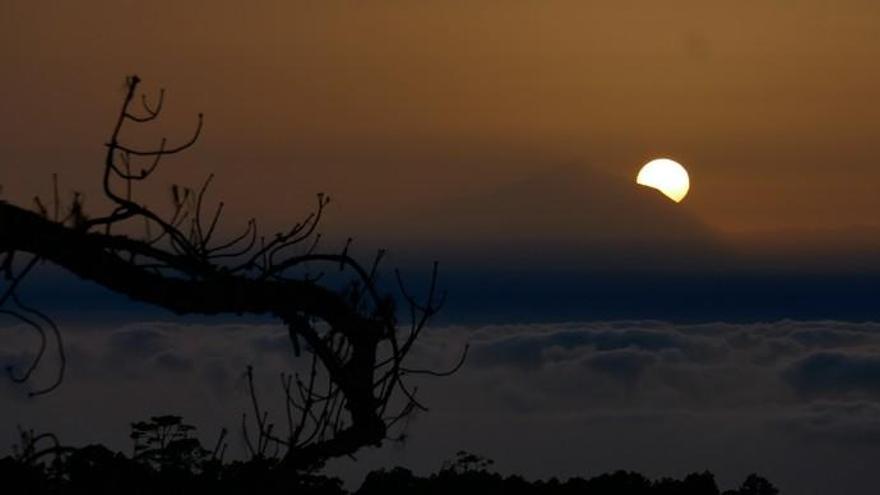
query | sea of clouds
(542,399)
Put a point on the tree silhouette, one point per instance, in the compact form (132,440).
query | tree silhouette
(355,390)
(166,441)
(757,485)
(94,469)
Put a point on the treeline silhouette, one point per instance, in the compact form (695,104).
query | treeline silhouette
(167,458)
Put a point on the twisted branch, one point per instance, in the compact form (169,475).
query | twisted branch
(356,387)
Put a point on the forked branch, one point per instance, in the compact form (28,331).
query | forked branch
(356,387)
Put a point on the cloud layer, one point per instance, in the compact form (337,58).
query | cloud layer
(659,397)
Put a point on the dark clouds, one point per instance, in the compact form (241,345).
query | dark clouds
(733,398)
(836,374)
(844,422)
(774,396)
(781,362)
(138,342)
(625,365)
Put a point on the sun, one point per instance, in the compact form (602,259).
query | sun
(667,176)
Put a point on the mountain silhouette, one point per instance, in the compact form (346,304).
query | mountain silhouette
(567,215)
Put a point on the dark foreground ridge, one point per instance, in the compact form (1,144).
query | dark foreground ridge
(167,458)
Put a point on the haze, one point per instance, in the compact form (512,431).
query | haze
(767,104)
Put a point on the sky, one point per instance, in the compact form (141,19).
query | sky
(503,139)
(768,104)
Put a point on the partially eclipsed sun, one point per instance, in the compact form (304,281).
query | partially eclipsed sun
(667,176)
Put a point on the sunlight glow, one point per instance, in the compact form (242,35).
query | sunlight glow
(667,176)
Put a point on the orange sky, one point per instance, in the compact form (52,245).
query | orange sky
(772,106)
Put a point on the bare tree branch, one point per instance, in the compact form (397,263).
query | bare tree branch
(356,386)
